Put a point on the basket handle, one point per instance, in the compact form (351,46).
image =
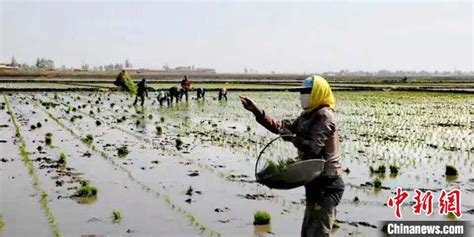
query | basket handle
(266,146)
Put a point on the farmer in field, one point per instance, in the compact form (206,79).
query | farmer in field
(118,81)
(163,97)
(223,93)
(316,137)
(142,90)
(174,93)
(186,86)
(201,93)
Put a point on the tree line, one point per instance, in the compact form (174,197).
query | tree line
(48,64)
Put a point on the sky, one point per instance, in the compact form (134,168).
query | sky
(281,37)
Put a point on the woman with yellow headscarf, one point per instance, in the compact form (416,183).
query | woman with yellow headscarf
(316,137)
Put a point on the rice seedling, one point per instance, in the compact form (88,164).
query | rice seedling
(38,125)
(75,117)
(122,151)
(272,167)
(86,190)
(88,139)
(394,169)
(2,224)
(179,144)
(261,218)
(125,81)
(190,191)
(159,130)
(48,139)
(451,216)
(381,169)
(116,216)
(98,122)
(377,170)
(62,159)
(377,183)
(451,170)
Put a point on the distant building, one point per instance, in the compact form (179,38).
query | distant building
(191,69)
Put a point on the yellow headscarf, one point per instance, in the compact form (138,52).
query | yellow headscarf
(321,94)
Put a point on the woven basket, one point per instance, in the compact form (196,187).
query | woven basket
(295,175)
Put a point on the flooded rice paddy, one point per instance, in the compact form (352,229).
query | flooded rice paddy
(188,169)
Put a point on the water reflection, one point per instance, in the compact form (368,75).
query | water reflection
(262,230)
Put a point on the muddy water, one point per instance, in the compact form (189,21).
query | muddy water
(220,140)
(16,189)
(352,158)
(218,204)
(288,205)
(116,190)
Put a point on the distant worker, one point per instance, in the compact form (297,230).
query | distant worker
(223,93)
(141,92)
(186,86)
(174,93)
(162,97)
(201,93)
(119,79)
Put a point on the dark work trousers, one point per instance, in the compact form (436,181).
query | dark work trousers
(142,99)
(322,196)
(222,96)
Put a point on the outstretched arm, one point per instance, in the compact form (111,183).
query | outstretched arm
(272,124)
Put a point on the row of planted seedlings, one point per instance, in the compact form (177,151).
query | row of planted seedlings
(20,204)
(349,111)
(287,202)
(394,152)
(412,148)
(192,113)
(258,195)
(387,150)
(232,172)
(117,154)
(230,145)
(229,133)
(367,172)
(387,138)
(171,129)
(32,171)
(114,193)
(248,196)
(295,199)
(169,183)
